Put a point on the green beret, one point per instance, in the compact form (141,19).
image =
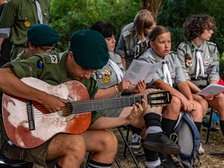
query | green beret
(89,49)
(42,35)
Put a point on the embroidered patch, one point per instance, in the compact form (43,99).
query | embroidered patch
(27,23)
(40,64)
(187,56)
(188,63)
(105,76)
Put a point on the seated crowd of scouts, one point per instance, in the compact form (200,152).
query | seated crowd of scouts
(94,59)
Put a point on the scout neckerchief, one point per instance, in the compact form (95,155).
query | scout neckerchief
(199,65)
(117,70)
(39,12)
(166,73)
(141,47)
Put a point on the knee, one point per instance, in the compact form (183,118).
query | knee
(109,142)
(75,145)
(198,114)
(174,107)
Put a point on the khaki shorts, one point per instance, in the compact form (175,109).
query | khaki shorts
(34,155)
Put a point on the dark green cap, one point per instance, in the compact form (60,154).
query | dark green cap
(42,35)
(89,49)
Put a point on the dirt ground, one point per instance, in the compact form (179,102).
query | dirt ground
(213,157)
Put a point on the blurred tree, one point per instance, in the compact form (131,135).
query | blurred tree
(69,16)
(151,5)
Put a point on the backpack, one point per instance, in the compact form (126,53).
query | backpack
(187,136)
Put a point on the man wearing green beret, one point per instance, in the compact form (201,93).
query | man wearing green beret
(41,39)
(67,150)
(19,16)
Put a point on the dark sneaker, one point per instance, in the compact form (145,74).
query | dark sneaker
(136,141)
(159,142)
(167,161)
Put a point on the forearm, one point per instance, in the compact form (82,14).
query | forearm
(193,87)
(12,85)
(185,90)
(162,85)
(106,93)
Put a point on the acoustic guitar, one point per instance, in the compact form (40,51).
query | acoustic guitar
(28,124)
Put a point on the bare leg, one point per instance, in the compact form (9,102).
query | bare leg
(68,149)
(173,109)
(198,113)
(218,104)
(102,143)
(203,102)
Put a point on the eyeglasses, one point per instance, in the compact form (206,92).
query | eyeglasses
(46,49)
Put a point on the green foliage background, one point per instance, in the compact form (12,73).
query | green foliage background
(68,16)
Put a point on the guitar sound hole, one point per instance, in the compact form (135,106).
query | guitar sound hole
(66,111)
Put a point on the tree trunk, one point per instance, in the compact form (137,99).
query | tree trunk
(152,5)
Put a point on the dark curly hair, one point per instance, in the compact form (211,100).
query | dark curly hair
(196,24)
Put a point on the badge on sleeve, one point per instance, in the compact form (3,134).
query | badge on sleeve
(27,23)
(40,64)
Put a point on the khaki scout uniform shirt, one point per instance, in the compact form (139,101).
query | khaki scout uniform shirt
(173,64)
(21,14)
(129,46)
(51,69)
(106,77)
(187,55)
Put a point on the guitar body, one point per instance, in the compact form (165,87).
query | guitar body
(15,117)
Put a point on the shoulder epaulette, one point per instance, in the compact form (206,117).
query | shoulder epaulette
(126,33)
(212,46)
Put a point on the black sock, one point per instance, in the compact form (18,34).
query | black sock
(198,125)
(150,156)
(94,164)
(152,119)
(168,126)
(222,126)
(136,130)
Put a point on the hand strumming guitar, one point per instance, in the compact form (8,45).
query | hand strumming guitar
(53,103)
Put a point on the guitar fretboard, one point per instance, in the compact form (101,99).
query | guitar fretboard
(103,104)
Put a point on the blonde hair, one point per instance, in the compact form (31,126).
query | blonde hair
(143,19)
(157,31)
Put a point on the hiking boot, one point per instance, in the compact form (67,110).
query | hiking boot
(159,142)
(136,141)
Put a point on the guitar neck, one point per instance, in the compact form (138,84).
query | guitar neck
(103,104)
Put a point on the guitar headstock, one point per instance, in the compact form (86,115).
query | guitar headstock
(159,98)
